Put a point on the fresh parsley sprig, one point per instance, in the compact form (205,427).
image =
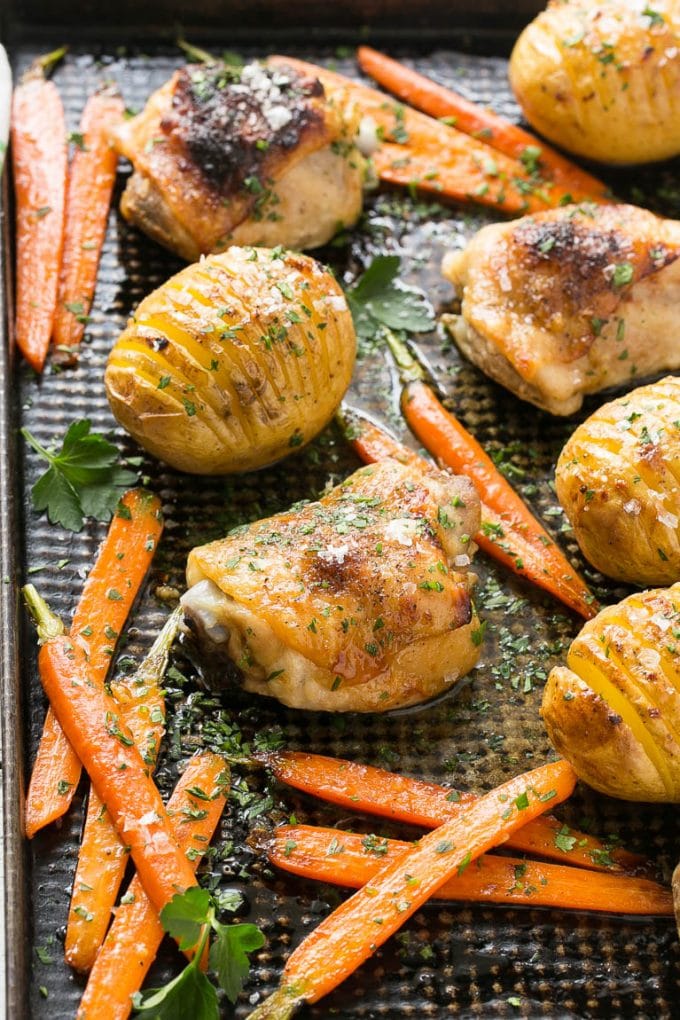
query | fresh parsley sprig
(190,917)
(83,480)
(380,301)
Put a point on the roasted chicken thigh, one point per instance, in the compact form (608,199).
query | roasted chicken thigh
(253,155)
(570,301)
(359,602)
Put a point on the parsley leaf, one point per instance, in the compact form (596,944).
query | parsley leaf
(184,916)
(83,479)
(190,994)
(190,918)
(380,299)
(228,955)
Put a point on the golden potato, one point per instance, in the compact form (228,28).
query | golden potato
(234,362)
(618,479)
(602,79)
(614,713)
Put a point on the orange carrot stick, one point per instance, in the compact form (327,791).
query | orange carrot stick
(136,933)
(353,932)
(39,161)
(377,792)
(91,179)
(102,857)
(108,595)
(329,855)
(501,134)
(91,720)
(371,442)
(441,174)
(469,168)
(514,531)
(502,536)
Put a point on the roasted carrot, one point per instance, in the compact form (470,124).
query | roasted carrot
(329,855)
(499,133)
(502,540)
(136,933)
(353,932)
(440,173)
(469,168)
(102,857)
(377,792)
(39,161)
(108,595)
(91,720)
(91,178)
(371,442)
(513,534)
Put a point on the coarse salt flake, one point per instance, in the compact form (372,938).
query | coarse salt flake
(401,531)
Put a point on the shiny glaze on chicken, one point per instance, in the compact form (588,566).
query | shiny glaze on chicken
(249,155)
(359,602)
(570,301)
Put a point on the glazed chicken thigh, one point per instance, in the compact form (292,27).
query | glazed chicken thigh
(570,301)
(251,156)
(359,602)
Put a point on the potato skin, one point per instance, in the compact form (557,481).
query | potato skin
(618,480)
(234,362)
(602,79)
(631,653)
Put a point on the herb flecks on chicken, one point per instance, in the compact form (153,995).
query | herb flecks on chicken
(569,302)
(249,155)
(358,602)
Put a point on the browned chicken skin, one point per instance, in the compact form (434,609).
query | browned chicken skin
(360,602)
(253,155)
(569,302)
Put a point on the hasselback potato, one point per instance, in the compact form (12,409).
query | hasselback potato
(618,479)
(614,713)
(602,79)
(234,362)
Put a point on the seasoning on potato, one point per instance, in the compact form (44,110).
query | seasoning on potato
(614,710)
(234,362)
(602,79)
(618,479)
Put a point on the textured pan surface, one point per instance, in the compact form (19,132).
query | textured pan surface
(459,960)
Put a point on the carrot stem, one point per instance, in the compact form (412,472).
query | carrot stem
(353,932)
(91,179)
(132,942)
(107,598)
(102,857)
(48,62)
(91,721)
(389,795)
(39,161)
(195,53)
(499,133)
(328,855)
(509,532)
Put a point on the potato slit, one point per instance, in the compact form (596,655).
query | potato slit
(619,704)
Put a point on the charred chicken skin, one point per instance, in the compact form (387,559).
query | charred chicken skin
(359,602)
(252,156)
(569,302)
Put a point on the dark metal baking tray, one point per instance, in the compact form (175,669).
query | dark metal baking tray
(458,960)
